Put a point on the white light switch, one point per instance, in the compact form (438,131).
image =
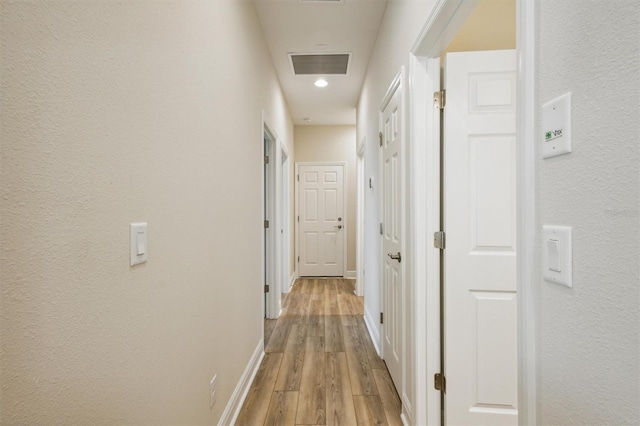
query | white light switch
(138,243)
(556,126)
(557,257)
(554,255)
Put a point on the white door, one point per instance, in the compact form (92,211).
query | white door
(322,224)
(392,232)
(480,346)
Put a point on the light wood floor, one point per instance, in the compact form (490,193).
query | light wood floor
(320,367)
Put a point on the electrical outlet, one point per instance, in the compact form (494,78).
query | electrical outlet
(212,391)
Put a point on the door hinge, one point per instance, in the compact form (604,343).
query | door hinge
(381,318)
(381,229)
(266,159)
(298,218)
(439,240)
(380,137)
(440,382)
(439,99)
(298,178)
(266,288)
(298,259)
(266,224)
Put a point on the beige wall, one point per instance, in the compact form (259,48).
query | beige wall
(112,113)
(333,143)
(491,26)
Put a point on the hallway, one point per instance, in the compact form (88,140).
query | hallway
(320,366)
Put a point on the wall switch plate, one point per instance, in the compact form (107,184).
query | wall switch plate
(557,255)
(556,126)
(139,243)
(212,390)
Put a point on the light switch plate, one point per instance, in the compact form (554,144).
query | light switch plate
(556,126)
(557,256)
(139,243)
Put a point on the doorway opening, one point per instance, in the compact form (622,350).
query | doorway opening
(484,230)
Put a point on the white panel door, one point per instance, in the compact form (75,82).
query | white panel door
(392,237)
(480,341)
(322,224)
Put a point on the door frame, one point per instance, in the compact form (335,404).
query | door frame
(445,20)
(285,219)
(274,213)
(360,189)
(345,210)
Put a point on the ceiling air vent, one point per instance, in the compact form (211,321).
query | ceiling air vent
(310,63)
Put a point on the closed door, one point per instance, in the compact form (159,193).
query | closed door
(480,340)
(322,224)
(391,135)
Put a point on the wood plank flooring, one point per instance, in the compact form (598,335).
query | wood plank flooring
(320,366)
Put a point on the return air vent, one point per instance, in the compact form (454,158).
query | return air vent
(309,63)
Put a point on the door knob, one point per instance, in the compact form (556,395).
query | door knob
(338,226)
(395,256)
(339,219)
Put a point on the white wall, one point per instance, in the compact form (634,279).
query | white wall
(588,336)
(333,143)
(402,22)
(116,112)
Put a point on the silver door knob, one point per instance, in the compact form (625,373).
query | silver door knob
(395,256)
(338,226)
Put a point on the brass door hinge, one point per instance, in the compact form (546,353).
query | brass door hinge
(381,318)
(440,382)
(266,224)
(266,159)
(380,137)
(266,288)
(439,99)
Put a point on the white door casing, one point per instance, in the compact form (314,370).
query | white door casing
(480,318)
(391,130)
(322,225)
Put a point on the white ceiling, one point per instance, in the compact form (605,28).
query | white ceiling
(293,26)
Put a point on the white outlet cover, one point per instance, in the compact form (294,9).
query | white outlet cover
(212,391)
(556,126)
(557,258)
(139,243)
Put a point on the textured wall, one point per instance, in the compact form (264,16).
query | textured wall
(115,112)
(588,336)
(333,143)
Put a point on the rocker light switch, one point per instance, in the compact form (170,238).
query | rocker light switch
(138,243)
(554,255)
(557,257)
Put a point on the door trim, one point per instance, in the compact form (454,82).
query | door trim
(360,189)
(445,20)
(345,212)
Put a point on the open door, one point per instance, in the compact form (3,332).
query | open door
(480,299)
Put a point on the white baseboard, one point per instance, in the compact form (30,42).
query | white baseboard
(350,275)
(373,331)
(404,420)
(292,279)
(231,411)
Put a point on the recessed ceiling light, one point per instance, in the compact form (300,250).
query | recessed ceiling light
(321,83)
(307,119)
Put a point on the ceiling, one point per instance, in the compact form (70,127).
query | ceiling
(299,26)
